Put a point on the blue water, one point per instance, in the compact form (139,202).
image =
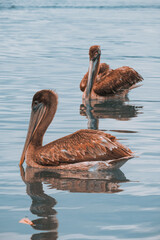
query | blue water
(44,45)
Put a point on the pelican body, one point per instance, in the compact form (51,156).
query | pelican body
(80,150)
(102,82)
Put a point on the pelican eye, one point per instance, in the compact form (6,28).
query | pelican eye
(35,102)
(95,55)
(36,105)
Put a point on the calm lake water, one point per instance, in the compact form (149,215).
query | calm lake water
(44,45)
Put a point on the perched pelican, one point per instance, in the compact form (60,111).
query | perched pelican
(80,150)
(102,82)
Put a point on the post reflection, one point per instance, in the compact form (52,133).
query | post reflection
(74,181)
(118,109)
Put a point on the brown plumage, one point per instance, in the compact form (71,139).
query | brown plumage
(81,149)
(101,81)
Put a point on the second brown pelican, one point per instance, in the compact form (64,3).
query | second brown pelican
(80,150)
(102,82)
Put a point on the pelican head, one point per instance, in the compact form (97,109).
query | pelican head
(94,60)
(43,108)
(94,52)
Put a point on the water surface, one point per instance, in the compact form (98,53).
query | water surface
(44,45)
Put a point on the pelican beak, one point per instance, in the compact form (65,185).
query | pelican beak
(92,72)
(37,114)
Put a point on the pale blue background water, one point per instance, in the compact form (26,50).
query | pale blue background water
(44,45)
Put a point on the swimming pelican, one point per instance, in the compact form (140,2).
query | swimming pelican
(80,150)
(102,82)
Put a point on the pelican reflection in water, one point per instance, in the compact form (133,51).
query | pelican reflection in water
(101,82)
(74,181)
(42,206)
(117,109)
(83,149)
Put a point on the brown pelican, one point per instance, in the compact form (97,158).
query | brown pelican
(102,82)
(80,150)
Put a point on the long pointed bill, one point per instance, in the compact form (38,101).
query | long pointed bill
(93,65)
(36,117)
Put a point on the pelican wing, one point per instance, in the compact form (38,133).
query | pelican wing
(82,146)
(117,81)
(83,83)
